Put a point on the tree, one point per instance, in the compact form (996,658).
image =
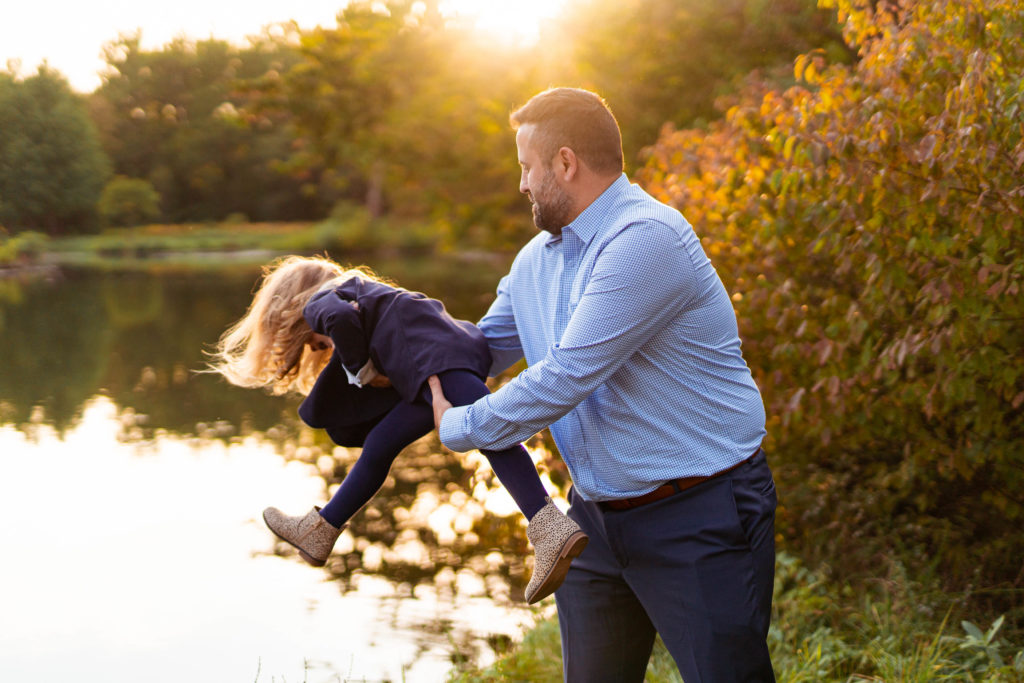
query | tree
(404,114)
(870,222)
(407,113)
(177,118)
(129,201)
(341,97)
(666,61)
(52,168)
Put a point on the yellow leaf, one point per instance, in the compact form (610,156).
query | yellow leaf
(811,73)
(799,65)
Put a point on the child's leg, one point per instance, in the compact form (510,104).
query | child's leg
(404,424)
(513,466)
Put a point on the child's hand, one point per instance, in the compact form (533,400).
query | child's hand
(380,381)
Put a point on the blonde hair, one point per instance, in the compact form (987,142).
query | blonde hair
(268,346)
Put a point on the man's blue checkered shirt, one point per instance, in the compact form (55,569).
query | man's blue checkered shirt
(633,352)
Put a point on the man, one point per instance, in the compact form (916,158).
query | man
(635,365)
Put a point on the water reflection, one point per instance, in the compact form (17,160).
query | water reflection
(439,519)
(137,336)
(148,561)
(106,422)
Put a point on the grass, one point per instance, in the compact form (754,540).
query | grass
(191,244)
(214,244)
(886,632)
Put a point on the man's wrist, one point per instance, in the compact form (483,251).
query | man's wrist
(450,431)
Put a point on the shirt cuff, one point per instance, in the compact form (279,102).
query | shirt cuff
(365,374)
(451,433)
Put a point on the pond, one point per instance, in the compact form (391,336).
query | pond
(131,489)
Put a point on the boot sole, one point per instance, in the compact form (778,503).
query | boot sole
(571,549)
(302,553)
(309,558)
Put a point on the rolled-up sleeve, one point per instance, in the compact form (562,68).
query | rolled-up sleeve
(640,280)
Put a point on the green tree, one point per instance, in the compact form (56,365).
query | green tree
(406,113)
(177,118)
(52,168)
(666,61)
(400,112)
(129,201)
(870,222)
(343,95)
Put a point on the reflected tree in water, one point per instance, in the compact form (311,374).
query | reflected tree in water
(55,339)
(427,525)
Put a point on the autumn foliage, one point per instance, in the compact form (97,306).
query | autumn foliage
(870,223)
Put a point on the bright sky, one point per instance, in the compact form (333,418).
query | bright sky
(70,34)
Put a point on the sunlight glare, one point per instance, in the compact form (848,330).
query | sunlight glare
(514,22)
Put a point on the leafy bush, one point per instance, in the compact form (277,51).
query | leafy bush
(870,224)
(129,201)
(351,228)
(25,244)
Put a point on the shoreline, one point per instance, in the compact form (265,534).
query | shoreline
(33,270)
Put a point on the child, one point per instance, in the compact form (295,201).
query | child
(362,351)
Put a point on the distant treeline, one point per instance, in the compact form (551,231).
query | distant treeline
(396,110)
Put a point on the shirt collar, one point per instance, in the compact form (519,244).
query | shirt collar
(593,218)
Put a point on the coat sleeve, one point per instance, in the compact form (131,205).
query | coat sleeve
(330,314)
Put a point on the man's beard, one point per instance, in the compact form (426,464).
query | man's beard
(552,207)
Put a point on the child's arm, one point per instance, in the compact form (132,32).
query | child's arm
(338,318)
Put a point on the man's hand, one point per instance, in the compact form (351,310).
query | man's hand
(441,404)
(380,381)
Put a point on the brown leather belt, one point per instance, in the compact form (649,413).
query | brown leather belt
(667,489)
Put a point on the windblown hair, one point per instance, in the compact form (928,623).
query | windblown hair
(577,119)
(268,347)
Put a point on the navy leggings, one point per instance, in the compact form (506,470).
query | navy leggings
(407,422)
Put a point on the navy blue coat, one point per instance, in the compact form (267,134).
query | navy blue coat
(407,335)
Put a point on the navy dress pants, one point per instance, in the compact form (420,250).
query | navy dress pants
(697,568)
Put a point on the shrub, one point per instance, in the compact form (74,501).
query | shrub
(26,244)
(129,202)
(870,223)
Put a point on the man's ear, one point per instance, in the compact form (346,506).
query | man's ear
(566,163)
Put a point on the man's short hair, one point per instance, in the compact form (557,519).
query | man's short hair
(577,119)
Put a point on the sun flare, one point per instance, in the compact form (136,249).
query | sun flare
(517,22)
